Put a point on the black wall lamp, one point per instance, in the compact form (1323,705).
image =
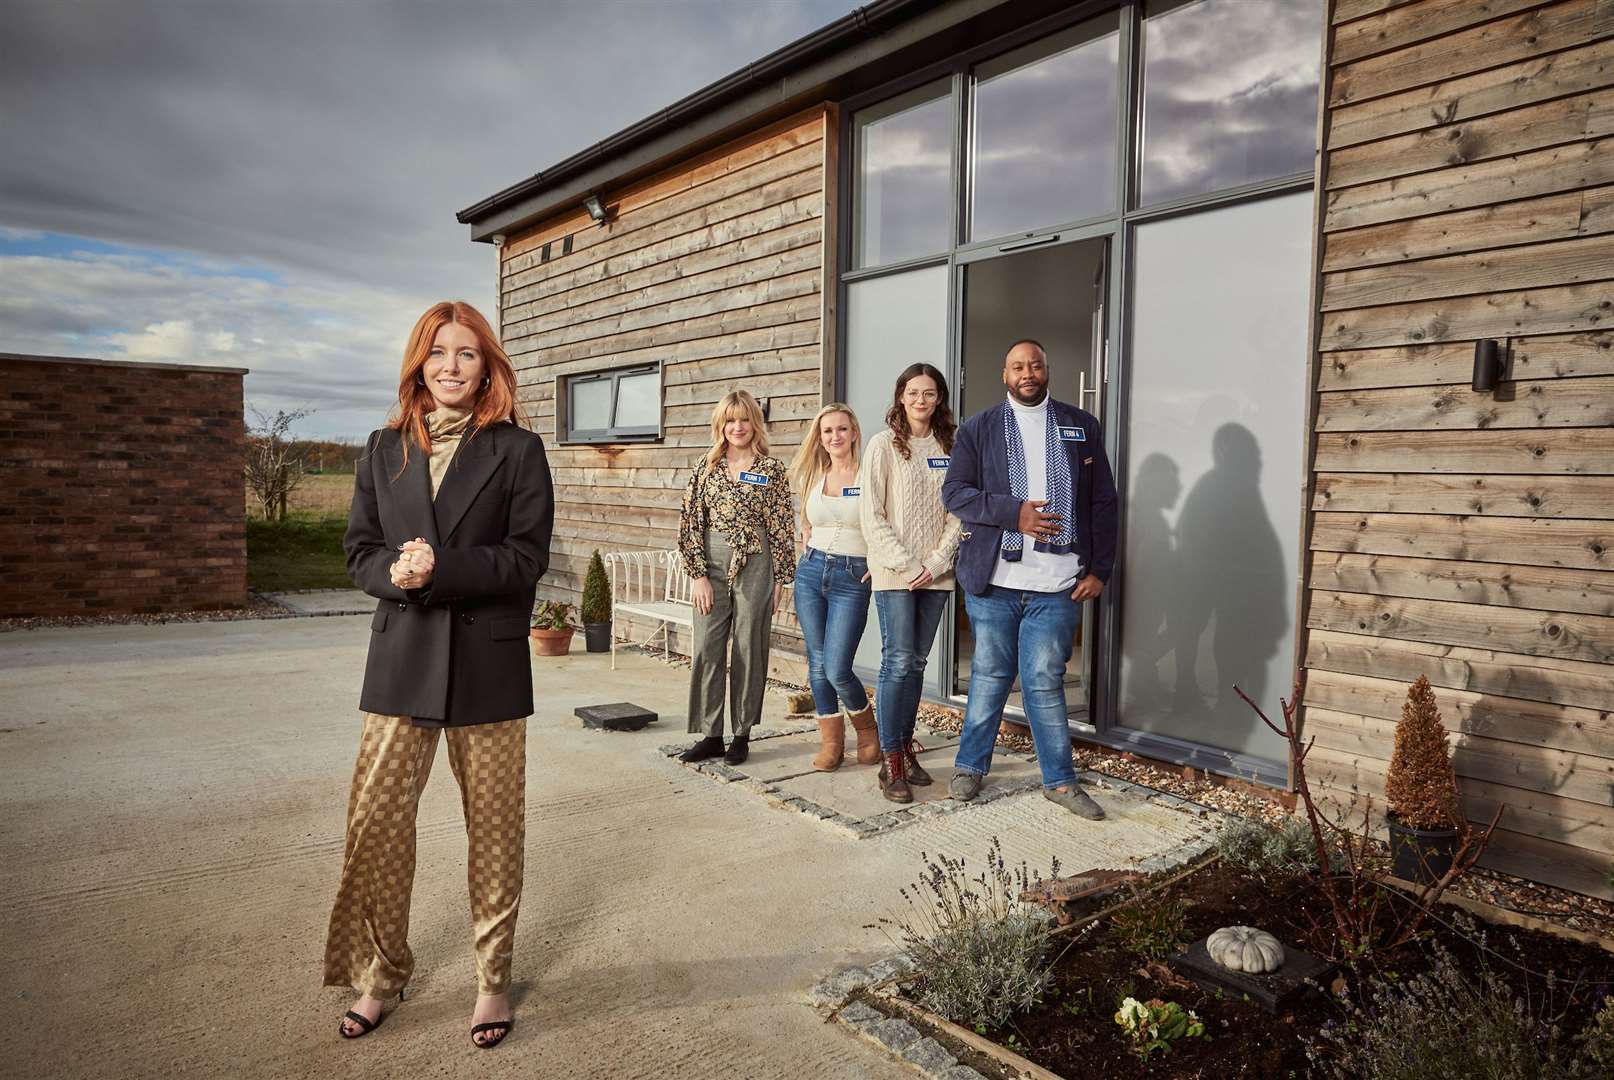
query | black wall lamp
(596,209)
(1488,359)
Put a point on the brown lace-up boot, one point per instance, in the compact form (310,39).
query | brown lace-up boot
(894,777)
(831,743)
(916,773)
(868,735)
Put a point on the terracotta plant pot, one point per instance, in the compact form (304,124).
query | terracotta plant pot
(1421,856)
(552,642)
(598,636)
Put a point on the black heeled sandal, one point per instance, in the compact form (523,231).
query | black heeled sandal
(501,1026)
(366,1025)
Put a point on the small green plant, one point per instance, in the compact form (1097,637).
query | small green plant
(596,591)
(552,615)
(1597,1041)
(1154,928)
(981,954)
(1268,852)
(1154,1025)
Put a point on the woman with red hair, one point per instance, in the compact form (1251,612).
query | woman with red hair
(452,513)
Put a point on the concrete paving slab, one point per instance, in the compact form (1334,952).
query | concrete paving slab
(325,602)
(776,759)
(854,791)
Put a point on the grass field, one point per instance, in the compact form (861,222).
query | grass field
(304,552)
(326,494)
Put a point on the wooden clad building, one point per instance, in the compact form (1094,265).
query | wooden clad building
(1262,240)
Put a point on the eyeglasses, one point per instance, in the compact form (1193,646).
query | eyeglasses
(920,395)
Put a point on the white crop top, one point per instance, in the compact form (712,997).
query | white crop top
(836,529)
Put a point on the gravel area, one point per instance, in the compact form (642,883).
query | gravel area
(258,607)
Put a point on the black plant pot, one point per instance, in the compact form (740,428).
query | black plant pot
(598,636)
(1420,855)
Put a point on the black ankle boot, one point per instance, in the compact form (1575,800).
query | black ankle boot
(739,748)
(709,747)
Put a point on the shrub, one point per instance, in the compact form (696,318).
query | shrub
(1154,928)
(1420,785)
(552,615)
(1446,1023)
(1266,851)
(596,591)
(980,953)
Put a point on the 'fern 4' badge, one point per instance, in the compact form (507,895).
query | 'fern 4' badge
(1072,434)
(755,479)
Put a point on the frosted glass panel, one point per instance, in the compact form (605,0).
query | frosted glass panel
(891,322)
(1215,450)
(903,194)
(591,405)
(638,400)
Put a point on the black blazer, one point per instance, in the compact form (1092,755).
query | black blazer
(455,651)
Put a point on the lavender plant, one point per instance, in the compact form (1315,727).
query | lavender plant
(981,954)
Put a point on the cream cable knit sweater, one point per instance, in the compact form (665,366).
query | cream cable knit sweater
(904,522)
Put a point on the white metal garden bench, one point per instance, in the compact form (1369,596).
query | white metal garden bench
(636,590)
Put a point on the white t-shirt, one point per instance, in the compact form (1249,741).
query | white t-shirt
(837,528)
(1037,571)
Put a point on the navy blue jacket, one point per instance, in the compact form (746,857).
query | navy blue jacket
(977,492)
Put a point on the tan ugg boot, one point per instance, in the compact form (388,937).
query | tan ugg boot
(868,735)
(831,743)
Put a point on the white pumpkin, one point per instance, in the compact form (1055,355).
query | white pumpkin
(1244,948)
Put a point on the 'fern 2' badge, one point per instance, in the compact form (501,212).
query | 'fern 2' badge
(939,462)
(755,479)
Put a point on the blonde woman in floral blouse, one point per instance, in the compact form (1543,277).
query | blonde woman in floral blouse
(737,541)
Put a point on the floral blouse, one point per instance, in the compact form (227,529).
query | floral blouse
(739,511)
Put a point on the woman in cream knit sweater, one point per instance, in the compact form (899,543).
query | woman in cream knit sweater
(911,541)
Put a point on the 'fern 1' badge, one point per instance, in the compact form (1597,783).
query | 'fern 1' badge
(755,479)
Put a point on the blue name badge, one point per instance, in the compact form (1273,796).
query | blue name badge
(754,478)
(939,462)
(851,492)
(1072,434)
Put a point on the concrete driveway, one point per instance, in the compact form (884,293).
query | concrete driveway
(173,798)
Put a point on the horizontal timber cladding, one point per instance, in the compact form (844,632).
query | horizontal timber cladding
(713,270)
(1469,536)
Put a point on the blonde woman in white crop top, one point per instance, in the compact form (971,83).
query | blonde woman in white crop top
(832,583)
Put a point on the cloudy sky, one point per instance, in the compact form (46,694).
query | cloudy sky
(272,184)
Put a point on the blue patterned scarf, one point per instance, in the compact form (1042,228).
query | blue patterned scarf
(1061,488)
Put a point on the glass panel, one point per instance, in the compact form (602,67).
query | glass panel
(1229,94)
(1045,132)
(903,199)
(638,400)
(891,322)
(590,405)
(1216,447)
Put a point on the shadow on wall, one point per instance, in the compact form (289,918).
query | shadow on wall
(1211,608)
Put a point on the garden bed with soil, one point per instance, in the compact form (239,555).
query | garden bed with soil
(1074,1033)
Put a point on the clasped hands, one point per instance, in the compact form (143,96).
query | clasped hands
(414,566)
(1038,522)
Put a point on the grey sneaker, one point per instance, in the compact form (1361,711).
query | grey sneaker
(1076,801)
(964,786)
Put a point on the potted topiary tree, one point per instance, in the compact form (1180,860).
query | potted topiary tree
(552,628)
(1421,789)
(597,605)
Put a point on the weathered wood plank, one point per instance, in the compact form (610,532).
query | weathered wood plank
(1584,732)
(1346,10)
(1528,221)
(768,348)
(1504,674)
(749,234)
(1589,592)
(1400,27)
(1522,176)
(1537,403)
(1562,262)
(1466,494)
(751,149)
(1567,542)
(648,344)
(1553,356)
(1489,44)
(1568,450)
(1517,131)
(1560,635)
(1492,91)
(1563,309)
(782,407)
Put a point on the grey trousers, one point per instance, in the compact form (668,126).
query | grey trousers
(741,612)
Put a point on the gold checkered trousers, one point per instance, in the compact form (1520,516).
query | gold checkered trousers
(368,944)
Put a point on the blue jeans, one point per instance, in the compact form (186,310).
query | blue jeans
(832,605)
(1029,633)
(908,623)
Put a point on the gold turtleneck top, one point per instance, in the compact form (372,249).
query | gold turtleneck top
(445,426)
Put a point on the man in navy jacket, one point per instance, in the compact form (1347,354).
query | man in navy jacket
(1030,481)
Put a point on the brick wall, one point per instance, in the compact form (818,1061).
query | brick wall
(120,487)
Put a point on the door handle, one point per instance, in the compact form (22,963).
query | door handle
(1083,390)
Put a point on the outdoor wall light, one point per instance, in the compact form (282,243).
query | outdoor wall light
(1487,364)
(596,209)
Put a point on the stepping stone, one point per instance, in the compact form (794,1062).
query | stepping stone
(619,716)
(1273,991)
